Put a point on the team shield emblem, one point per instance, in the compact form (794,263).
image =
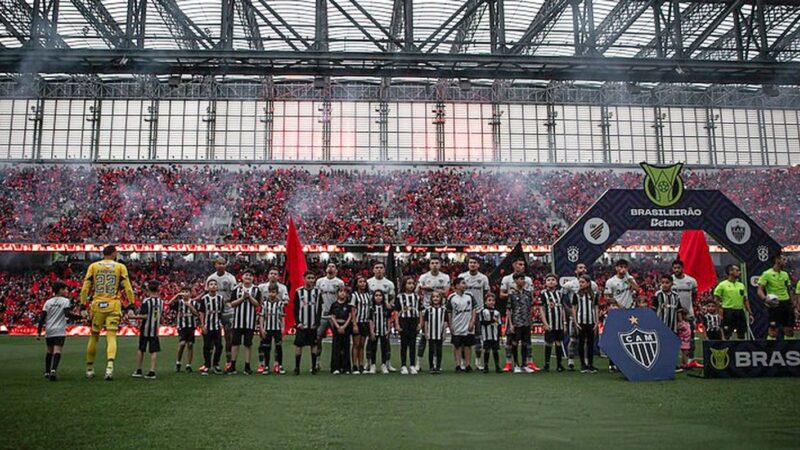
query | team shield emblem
(642,346)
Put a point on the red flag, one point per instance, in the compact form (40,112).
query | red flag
(697,260)
(295,268)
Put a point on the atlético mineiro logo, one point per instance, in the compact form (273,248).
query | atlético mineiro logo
(642,346)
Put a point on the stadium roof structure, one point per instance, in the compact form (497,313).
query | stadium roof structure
(691,41)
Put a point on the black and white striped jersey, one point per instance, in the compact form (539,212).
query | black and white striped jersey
(308,307)
(212,308)
(435,319)
(554,311)
(490,324)
(585,308)
(668,305)
(379,314)
(361,303)
(712,322)
(185,317)
(244,315)
(408,306)
(272,314)
(153,308)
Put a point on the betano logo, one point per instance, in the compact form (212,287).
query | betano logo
(663,184)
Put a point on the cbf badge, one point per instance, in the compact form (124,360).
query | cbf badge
(640,344)
(663,185)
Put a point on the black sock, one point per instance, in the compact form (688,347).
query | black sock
(515,353)
(56,360)
(486,360)
(548,351)
(496,355)
(297,361)
(48,360)
(233,365)
(559,355)
(265,355)
(314,360)
(247,366)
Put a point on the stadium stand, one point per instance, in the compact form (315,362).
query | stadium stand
(169,204)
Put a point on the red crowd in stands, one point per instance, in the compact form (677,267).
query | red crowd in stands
(171,204)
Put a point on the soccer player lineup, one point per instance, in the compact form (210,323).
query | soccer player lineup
(400,224)
(361,317)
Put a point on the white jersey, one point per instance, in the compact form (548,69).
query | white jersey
(226,283)
(328,288)
(570,289)
(56,320)
(620,290)
(283,293)
(441,281)
(507,283)
(476,285)
(684,287)
(461,308)
(384,285)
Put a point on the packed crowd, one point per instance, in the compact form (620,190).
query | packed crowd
(22,294)
(168,204)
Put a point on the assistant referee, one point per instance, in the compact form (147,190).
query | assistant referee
(732,295)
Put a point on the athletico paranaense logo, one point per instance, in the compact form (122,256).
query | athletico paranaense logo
(663,184)
(642,346)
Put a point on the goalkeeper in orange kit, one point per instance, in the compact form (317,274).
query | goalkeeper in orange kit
(102,282)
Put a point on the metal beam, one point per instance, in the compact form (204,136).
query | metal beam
(788,44)
(252,30)
(183,29)
(693,19)
(136,22)
(321,26)
(466,28)
(583,26)
(285,24)
(372,64)
(497,26)
(546,17)
(617,22)
(103,23)
(18,18)
(274,28)
(360,28)
(713,26)
(467,8)
(736,42)
(408,23)
(228,11)
(254,89)
(392,36)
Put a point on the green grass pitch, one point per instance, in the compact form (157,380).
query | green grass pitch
(552,410)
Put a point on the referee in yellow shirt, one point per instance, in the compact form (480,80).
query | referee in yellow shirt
(732,295)
(775,282)
(102,283)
